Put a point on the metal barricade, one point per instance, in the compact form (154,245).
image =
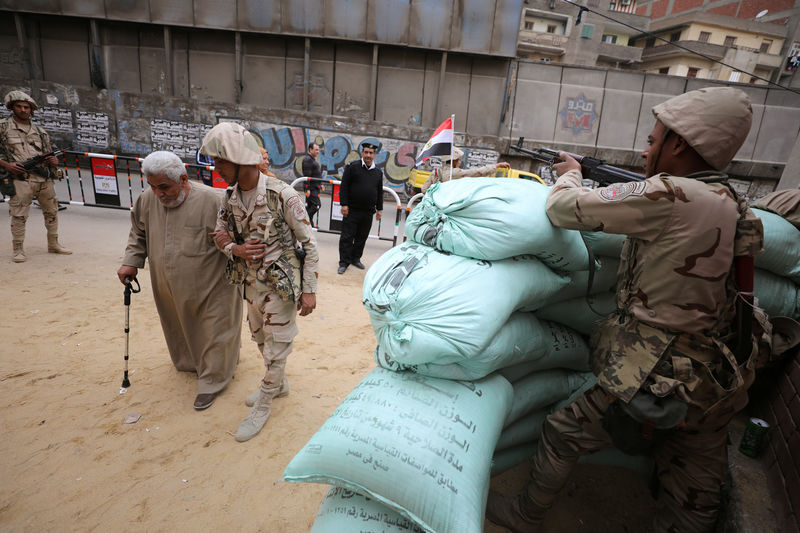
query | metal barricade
(409,206)
(378,236)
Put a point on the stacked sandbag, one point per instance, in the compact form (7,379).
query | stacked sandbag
(777,275)
(420,446)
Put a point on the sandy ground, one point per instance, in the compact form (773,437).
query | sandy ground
(67,461)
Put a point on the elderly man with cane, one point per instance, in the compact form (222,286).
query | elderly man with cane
(201,315)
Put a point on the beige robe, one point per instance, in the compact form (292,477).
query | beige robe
(201,313)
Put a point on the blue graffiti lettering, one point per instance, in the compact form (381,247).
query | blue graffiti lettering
(280,145)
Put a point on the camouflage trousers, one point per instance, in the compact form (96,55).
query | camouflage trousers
(690,465)
(20,206)
(273,328)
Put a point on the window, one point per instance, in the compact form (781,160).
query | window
(735,75)
(692,72)
(730,40)
(608,38)
(528,25)
(650,42)
(676,36)
(765,44)
(551,28)
(663,70)
(704,36)
(587,31)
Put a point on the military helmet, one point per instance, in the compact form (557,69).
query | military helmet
(19,96)
(714,121)
(457,154)
(231,142)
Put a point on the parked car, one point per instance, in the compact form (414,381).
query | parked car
(417,178)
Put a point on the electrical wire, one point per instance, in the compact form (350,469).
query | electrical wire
(590,10)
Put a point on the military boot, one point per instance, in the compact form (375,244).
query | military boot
(54,247)
(258,416)
(253,396)
(19,253)
(518,514)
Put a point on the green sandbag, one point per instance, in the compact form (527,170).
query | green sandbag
(343,511)
(603,280)
(507,459)
(777,296)
(540,389)
(607,244)
(523,431)
(421,446)
(523,342)
(581,314)
(429,307)
(781,254)
(494,218)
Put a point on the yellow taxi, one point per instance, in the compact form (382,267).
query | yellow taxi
(417,178)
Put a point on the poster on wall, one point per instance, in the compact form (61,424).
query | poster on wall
(104,180)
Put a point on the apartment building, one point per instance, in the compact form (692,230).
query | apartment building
(550,31)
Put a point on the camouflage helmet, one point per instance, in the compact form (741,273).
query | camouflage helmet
(19,96)
(457,154)
(231,142)
(714,121)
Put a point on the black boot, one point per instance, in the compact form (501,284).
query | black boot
(518,514)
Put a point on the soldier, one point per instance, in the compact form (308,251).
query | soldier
(20,140)
(661,360)
(444,172)
(259,225)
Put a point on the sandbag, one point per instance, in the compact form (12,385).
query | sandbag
(494,218)
(604,279)
(430,307)
(581,314)
(781,254)
(606,244)
(421,446)
(777,296)
(523,431)
(523,340)
(540,389)
(344,511)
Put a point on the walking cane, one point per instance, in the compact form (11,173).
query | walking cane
(128,290)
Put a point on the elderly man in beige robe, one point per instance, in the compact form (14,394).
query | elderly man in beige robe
(201,313)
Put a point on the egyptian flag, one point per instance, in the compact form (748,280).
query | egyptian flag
(441,143)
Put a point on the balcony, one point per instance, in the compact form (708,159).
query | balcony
(615,53)
(544,43)
(665,50)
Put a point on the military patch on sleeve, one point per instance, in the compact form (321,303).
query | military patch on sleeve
(296,205)
(620,191)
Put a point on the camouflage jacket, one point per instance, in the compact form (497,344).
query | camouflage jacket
(674,275)
(277,218)
(785,203)
(19,143)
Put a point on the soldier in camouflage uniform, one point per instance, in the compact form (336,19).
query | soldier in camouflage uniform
(259,226)
(669,338)
(20,140)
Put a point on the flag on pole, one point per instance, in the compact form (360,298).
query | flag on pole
(440,143)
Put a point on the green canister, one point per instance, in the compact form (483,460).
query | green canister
(753,437)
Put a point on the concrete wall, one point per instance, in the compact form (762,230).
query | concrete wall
(471,26)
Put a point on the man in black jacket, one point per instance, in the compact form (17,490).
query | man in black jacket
(361,194)
(311,169)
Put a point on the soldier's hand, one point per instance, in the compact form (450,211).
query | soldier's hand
(308,302)
(567,163)
(503,165)
(252,251)
(14,168)
(52,161)
(126,271)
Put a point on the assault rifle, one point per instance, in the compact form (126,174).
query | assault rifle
(592,168)
(34,163)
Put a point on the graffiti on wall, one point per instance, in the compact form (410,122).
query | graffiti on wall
(578,115)
(287,145)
